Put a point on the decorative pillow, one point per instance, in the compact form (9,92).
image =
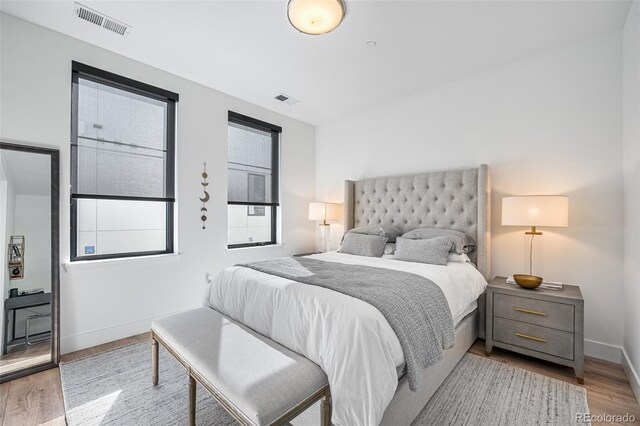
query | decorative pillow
(363,245)
(390,248)
(388,231)
(462,242)
(433,250)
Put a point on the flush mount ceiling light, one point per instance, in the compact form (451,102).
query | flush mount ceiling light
(315,16)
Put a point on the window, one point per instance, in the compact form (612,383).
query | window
(122,166)
(252,170)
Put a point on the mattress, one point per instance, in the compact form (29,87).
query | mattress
(470,308)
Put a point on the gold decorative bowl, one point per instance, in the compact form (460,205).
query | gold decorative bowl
(527,281)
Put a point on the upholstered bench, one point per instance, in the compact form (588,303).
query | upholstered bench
(256,380)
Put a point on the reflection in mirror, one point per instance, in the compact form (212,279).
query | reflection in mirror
(25,236)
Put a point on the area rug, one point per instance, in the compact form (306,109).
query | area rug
(114,388)
(480,391)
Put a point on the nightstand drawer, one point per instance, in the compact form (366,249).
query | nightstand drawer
(541,339)
(532,311)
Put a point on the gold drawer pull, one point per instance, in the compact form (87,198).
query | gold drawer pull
(526,336)
(527,311)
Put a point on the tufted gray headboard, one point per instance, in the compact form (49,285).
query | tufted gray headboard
(457,199)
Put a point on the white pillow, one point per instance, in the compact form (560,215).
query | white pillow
(390,248)
(454,257)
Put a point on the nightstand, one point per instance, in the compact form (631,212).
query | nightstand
(545,324)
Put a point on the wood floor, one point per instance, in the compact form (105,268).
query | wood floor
(38,353)
(37,399)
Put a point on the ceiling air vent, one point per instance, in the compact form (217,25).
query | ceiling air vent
(287,99)
(87,14)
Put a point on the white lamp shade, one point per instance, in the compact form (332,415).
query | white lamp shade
(315,16)
(324,211)
(536,210)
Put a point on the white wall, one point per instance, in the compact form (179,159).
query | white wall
(33,220)
(549,124)
(7,208)
(110,300)
(631,151)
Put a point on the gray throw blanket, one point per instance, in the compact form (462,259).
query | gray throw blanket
(415,307)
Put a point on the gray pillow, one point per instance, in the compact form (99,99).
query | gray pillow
(462,242)
(434,251)
(363,245)
(389,231)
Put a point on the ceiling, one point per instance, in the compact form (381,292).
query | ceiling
(249,50)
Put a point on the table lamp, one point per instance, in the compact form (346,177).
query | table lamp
(324,212)
(534,211)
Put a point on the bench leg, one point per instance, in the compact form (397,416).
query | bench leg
(325,409)
(192,401)
(154,360)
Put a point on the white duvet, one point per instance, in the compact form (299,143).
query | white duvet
(348,338)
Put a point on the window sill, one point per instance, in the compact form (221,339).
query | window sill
(93,265)
(237,249)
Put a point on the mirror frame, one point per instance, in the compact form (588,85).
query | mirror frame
(55,259)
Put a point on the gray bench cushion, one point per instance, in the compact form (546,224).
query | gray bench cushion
(260,377)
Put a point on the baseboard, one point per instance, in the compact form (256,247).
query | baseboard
(603,351)
(632,374)
(92,338)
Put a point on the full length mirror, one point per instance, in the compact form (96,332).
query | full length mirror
(30,267)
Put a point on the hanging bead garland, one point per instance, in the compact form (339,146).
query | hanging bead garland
(204,200)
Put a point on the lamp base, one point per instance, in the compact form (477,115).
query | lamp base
(325,237)
(532,256)
(529,282)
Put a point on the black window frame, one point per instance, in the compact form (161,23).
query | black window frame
(79,70)
(275,131)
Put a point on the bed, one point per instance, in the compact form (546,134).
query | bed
(350,339)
